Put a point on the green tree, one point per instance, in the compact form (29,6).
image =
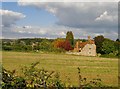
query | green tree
(117,40)
(45,45)
(98,42)
(117,48)
(70,37)
(108,46)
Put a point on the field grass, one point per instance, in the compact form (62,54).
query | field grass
(66,65)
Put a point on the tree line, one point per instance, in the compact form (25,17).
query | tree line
(104,46)
(40,44)
(107,47)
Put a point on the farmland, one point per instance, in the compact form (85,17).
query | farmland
(66,65)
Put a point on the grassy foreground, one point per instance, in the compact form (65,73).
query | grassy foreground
(66,65)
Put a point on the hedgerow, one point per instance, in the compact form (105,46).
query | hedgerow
(35,78)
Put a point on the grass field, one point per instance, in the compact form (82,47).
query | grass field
(66,65)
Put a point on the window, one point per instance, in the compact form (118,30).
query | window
(89,52)
(89,48)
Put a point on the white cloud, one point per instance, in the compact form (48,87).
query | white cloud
(106,16)
(9,17)
(62,34)
(77,17)
(56,32)
(42,32)
(79,14)
(68,0)
(27,27)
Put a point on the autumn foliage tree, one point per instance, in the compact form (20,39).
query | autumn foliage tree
(67,46)
(64,44)
(58,43)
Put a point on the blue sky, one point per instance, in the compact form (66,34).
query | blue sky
(53,20)
(34,17)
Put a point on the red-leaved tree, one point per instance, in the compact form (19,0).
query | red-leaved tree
(64,44)
(67,46)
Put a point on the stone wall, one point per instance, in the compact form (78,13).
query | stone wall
(89,50)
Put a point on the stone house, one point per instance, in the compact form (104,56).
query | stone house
(87,48)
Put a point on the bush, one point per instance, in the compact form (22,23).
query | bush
(7,48)
(10,81)
(34,78)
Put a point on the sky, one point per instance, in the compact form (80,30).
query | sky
(54,19)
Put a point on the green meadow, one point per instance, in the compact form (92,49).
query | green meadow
(66,65)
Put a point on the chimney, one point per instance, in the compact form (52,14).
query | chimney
(89,38)
(77,45)
(80,41)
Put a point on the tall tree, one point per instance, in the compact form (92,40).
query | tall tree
(98,42)
(70,37)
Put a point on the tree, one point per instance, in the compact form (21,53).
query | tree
(67,46)
(117,48)
(58,43)
(63,44)
(108,46)
(117,40)
(45,45)
(98,42)
(70,37)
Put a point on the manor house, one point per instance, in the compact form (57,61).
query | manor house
(87,48)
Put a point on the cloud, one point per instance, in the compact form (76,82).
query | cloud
(9,17)
(62,33)
(68,0)
(106,17)
(27,27)
(56,31)
(79,14)
(91,16)
(82,18)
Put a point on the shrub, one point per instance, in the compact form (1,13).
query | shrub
(10,81)
(34,78)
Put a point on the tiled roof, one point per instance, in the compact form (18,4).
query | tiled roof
(82,44)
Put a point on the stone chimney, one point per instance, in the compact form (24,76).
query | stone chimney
(89,38)
(77,45)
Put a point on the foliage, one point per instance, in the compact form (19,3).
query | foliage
(98,42)
(108,46)
(70,37)
(45,45)
(66,45)
(58,43)
(83,84)
(117,40)
(7,48)
(32,78)
(10,81)
(35,78)
(117,48)
(63,44)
